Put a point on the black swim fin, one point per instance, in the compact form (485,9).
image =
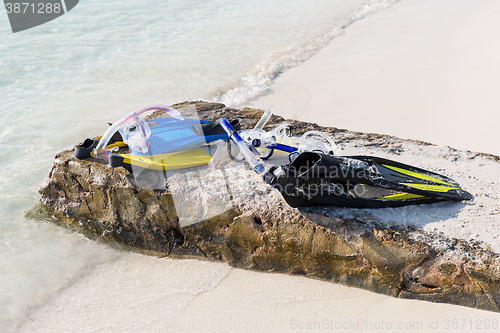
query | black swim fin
(359,181)
(414,180)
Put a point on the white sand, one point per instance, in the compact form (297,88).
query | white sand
(145,294)
(424,69)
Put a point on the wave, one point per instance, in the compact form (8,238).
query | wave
(258,80)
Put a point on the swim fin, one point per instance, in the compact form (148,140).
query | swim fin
(168,161)
(415,180)
(360,182)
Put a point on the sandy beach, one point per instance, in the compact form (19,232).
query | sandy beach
(147,294)
(422,69)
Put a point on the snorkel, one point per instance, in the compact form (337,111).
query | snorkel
(134,131)
(264,143)
(256,144)
(244,150)
(264,119)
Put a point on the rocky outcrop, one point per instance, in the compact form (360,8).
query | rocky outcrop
(253,228)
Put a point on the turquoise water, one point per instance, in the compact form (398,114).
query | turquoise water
(63,81)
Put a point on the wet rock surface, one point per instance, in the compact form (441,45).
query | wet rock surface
(254,228)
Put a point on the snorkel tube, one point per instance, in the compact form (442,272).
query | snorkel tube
(134,131)
(263,143)
(264,119)
(244,150)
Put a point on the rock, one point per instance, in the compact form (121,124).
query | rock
(236,218)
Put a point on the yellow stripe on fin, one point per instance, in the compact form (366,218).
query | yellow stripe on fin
(417,175)
(119,144)
(402,196)
(431,188)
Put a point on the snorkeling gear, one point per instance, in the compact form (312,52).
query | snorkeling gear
(256,165)
(158,144)
(315,176)
(359,181)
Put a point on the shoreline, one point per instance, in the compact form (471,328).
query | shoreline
(141,293)
(423,70)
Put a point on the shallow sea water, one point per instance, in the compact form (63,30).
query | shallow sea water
(63,81)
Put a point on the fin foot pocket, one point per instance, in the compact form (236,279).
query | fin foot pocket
(85,149)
